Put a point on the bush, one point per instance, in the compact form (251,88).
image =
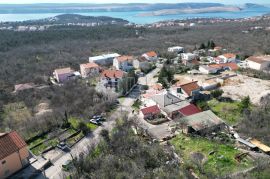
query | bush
(217,93)
(83,127)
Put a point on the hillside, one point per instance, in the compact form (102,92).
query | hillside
(66,19)
(83,8)
(192,11)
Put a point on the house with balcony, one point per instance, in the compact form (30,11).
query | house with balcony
(124,63)
(89,69)
(227,58)
(151,56)
(111,78)
(14,154)
(189,90)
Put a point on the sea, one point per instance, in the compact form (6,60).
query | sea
(133,16)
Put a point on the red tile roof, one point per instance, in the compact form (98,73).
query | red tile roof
(189,87)
(229,55)
(232,66)
(89,65)
(10,143)
(151,54)
(124,58)
(112,74)
(190,110)
(151,110)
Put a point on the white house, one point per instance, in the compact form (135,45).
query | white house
(227,58)
(188,56)
(124,63)
(150,56)
(176,49)
(258,62)
(89,69)
(187,90)
(111,78)
(140,63)
(207,70)
(103,59)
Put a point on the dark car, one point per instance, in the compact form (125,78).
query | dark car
(63,146)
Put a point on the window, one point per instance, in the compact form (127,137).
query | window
(179,90)
(3,162)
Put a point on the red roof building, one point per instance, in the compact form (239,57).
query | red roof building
(13,153)
(112,74)
(190,110)
(150,112)
(231,66)
(189,88)
(151,54)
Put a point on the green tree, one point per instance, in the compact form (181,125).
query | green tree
(85,130)
(202,46)
(217,93)
(245,104)
(212,45)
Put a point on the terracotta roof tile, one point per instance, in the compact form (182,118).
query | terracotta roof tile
(189,87)
(232,66)
(112,73)
(10,143)
(229,55)
(151,110)
(124,58)
(151,54)
(190,110)
(89,65)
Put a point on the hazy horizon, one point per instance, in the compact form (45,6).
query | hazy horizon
(21,2)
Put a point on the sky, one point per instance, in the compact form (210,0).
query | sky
(132,1)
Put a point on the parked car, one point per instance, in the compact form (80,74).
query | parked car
(68,165)
(63,146)
(96,122)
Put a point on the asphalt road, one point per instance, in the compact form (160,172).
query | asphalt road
(55,171)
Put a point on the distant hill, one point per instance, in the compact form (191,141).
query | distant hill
(83,8)
(192,10)
(251,5)
(66,19)
(75,18)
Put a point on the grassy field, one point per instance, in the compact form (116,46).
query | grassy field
(218,159)
(75,124)
(37,141)
(37,150)
(227,111)
(91,126)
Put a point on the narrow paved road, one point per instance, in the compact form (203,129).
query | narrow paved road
(55,171)
(150,78)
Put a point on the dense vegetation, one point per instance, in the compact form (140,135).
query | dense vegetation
(32,112)
(122,154)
